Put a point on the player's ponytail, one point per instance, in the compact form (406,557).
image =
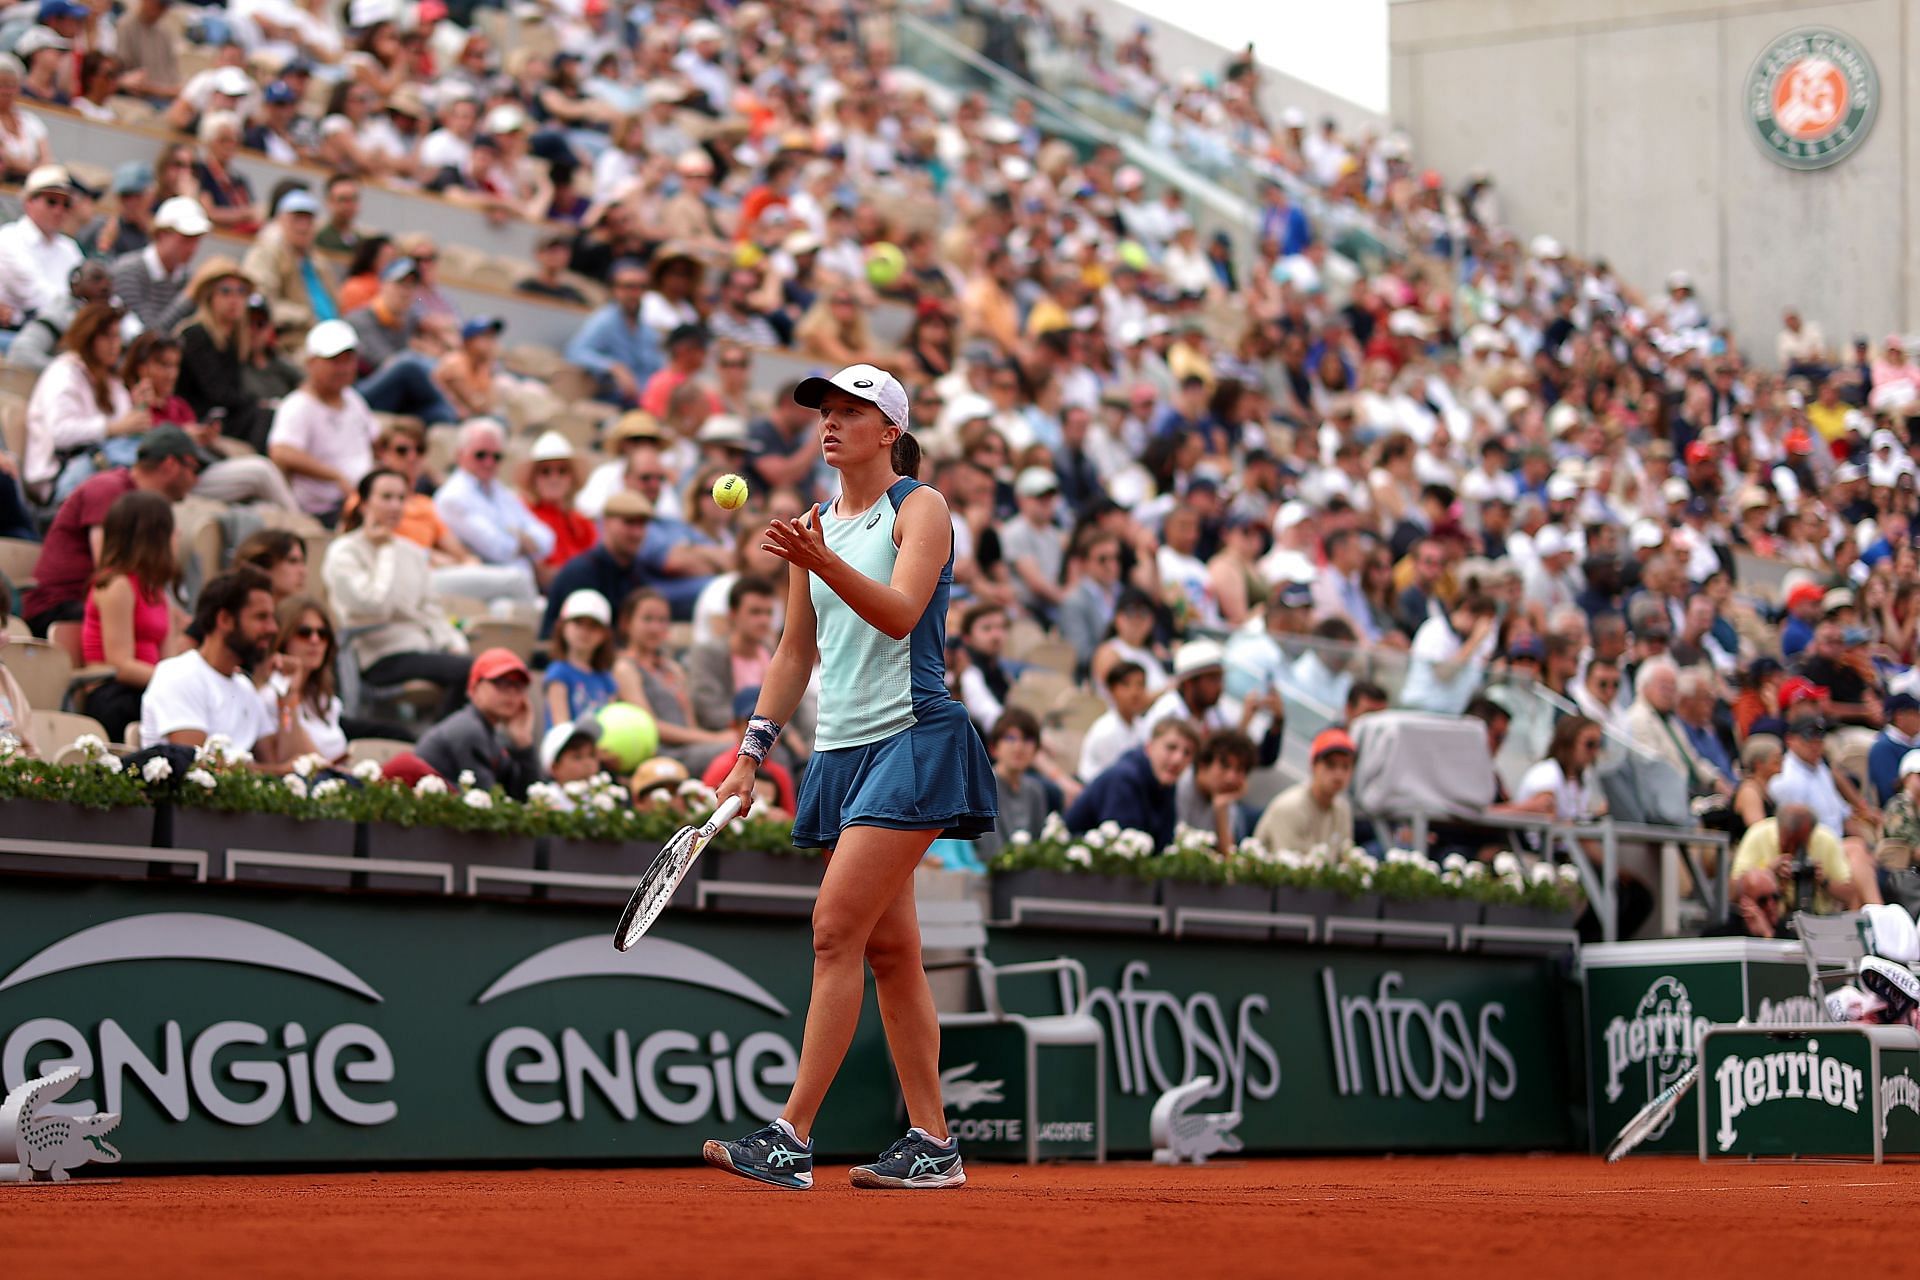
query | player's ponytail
(906,455)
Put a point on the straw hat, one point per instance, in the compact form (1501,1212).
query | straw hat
(210,273)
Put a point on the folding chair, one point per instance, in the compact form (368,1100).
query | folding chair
(1834,947)
(958,926)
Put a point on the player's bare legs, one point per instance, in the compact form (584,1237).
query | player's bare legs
(907,1012)
(869,869)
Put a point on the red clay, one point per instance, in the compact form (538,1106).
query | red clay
(1479,1217)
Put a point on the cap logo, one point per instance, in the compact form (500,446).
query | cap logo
(864,383)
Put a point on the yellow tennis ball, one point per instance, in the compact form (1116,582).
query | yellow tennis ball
(730,492)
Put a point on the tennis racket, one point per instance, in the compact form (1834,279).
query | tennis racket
(664,876)
(1657,1112)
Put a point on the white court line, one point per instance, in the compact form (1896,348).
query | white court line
(1375,1193)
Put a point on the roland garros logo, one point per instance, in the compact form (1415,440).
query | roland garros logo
(1811,98)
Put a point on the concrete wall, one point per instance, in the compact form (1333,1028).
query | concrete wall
(1615,126)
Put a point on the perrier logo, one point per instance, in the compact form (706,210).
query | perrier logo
(1811,97)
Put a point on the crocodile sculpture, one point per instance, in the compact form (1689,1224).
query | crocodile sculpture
(1179,1133)
(49,1144)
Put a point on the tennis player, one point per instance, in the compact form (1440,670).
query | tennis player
(895,765)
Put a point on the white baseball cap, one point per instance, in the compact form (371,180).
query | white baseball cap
(1562,488)
(876,386)
(587,603)
(1196,656)
(1035,482)
(562,736)
(183,215)
(1551,541)
(551,446)
(330,338)
(1291,513)
(1647,534)
(1675,490)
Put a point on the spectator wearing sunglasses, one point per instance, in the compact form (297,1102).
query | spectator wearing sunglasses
(485,512)
(37,257)
(299,694)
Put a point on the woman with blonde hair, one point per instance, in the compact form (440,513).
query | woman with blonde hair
(225,192)
(549,482)
(80,410)
(23,138)
(834,330)
(215,346)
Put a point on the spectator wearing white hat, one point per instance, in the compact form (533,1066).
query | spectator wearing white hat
(702,45)
(152,282)
(1550,579)
(322,435)
(1199,695)
(579,680)
(37,258)
(1900,827)
(1034,545)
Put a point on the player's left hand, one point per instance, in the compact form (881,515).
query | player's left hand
(799,543)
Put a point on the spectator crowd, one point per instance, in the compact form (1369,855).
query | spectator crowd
(1240,484)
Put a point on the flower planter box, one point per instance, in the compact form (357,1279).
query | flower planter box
(47,820)
(1176,895)
(1365,906)
(186,827)
(1448,911)
(718,868)
(1084,899)
(459,849)
(1524,917)
(626,860)
(1319,904)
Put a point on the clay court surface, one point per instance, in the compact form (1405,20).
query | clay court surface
(1483,1217)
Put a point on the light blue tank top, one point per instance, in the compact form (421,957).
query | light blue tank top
(871,685)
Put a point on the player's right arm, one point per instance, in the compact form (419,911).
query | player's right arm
(785,682)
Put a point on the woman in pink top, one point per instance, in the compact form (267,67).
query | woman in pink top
(129,618)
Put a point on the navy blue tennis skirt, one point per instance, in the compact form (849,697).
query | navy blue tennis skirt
(934,776)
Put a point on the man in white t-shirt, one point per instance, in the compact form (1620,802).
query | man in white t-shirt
(322,434)
(1450,656)
(206,691)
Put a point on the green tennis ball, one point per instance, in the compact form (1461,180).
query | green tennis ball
(885,263)
(628,734)
(1134,254)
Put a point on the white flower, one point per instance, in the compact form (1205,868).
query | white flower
(1452,879)
(367,771)
(219,750)
(1476,871)
(296,784)
(466,779)
(1568,873)
(156,769)
(604,801)
(1109,828)
(546,795)
(477,799)
(577,789)
(201,778)
(1505,864)
(1095,839)
(91,745)
(1080,856)
(1020,837)
(431,785)
(306,765)
(1054,828)
(1453,862)
(110,762)
(328,787)
(1541,873)
(1291,860)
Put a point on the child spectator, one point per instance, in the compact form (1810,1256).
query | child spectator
(580,681)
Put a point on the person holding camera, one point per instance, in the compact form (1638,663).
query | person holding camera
(1814,871)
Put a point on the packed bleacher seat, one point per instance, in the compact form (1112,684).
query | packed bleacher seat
(1365,450)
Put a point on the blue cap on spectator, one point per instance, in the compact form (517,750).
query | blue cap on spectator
(1296,595)
(478,325)
(1902,701)
(299,200)
(301,66)
(402,269)
(134,175)
(280,94)
(1528,650)
(50,10)
(745,701)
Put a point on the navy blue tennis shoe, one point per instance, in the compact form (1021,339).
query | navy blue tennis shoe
(918,1162)
(770,1155)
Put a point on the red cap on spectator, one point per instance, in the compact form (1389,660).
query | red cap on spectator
(1797,689)
(1805,593)
(495,663)
(1328,740)
(1699,451)
(1798,441)
(408,768)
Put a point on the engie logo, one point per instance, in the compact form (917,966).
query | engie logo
(1664,1033)
(1745,1083)
(536,1077)
(290,1068)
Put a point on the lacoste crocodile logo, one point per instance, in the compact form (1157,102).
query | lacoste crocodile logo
(962,1094)
(52,1144)
(1180,1134)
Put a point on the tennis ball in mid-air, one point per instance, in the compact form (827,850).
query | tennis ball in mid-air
(1134,254)
(628,734)
(885,262)
(730,491)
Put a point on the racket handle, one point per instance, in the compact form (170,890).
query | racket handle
(721,817)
